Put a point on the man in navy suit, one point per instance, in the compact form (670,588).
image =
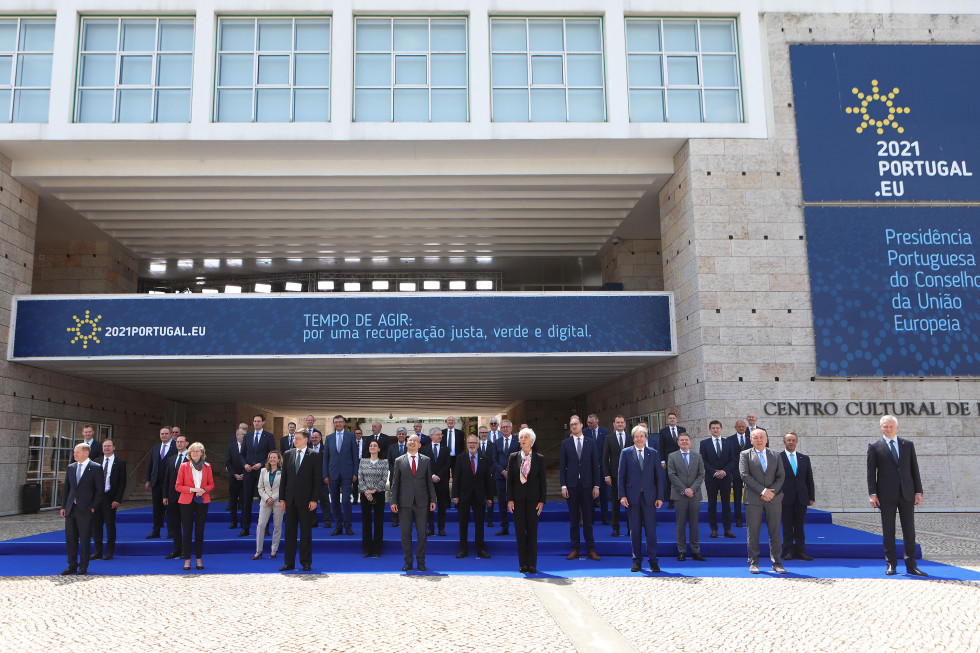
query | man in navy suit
(81,496)
(172,497)
(611,448)
(155,473)
(258,444)
(286,441)
(340,472)
(740,442)
(299,490)
(438,452)
(668,438)
(505,445)
(580,475)
(798,494)
(599,434)
(642,488)
(720,465)
(894,484)
(381,438)
(114,472)
(472,486)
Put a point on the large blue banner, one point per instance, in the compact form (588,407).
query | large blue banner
(341,325)
(887,122)
(896,292)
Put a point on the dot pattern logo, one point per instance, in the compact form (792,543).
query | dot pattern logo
(877,109)
(85,329)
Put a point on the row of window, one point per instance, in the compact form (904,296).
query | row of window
(405,70)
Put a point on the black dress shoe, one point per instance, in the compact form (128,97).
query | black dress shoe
(523,570)
(738,524)
(153,536)
(729,534)
(70,571)
(890,570)
(243,533)
(503,531)
(314,525)
(605,522)
(462,553)
(442,533)
(698,557)
(286,568)
(107,556)
(366,554)
(636,567)
(82,571)
(96,556)
(430,531)
(532,570)
(349,530)
(307,567)
(615,532)
(422,567)
(200,566)
(787,556)
(681,558)
(407,567)
(232,526)
(915,571)
(490,523)
(482,553)
(375,555)
(804,556)
(654,567)
(172,555)
(337,531)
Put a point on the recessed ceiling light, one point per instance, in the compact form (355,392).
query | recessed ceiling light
(407,286)
(294,286)
(233,262)
(352,286)
(484,284)
(324,285)
(185,263)
(263,287)
(457,284)
(430,284)
(209,291)
(212,263)
(380,285)
(233,290)
(158,267)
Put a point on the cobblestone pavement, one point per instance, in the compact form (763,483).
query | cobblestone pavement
(333,612)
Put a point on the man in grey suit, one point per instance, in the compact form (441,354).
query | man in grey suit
(685,471)
(413,497)
(762,474)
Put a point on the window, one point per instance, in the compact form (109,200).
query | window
(682,70)
(273,70)
(50,452)
(410,70)
(547,70)
(26,45)
(135,70)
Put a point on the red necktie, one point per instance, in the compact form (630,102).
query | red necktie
(413,465)
(473,464)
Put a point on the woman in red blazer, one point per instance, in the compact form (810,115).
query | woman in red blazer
(194,482)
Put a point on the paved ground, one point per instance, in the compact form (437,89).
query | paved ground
(453,613)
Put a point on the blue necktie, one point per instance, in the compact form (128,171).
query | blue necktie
(763,461)
(792,462)
(894,450)
(687,461)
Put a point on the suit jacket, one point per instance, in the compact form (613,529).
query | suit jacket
(285,444)
(361,450)
(501,455)
(382,440)
(170,483)
(258,454)
(299,488)
(726,462)
(270,491)
(343,463)
(570,468)
(117,481)
(95,452)
(440,465)
(755,480)
(733,438)
(682,477)
(85,493)
(489,449)
(235,458)
(797,487)
(598,435)
(393,453)
(469,487)
(611,451)
(891,481)
(650,481)
(409,491)
(667,444)
(457,434)
(155,469)
(536,488)
(185,481)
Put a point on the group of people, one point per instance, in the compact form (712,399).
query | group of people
(305,476)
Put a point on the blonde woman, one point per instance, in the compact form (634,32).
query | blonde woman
(269,479)
(194,482)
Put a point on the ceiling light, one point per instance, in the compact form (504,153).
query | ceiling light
(457,259)
(380,285)
(484,284)
(407,286)
(294,286)
(352,286)
(212,263)
(295,260)
(408,259)
(263,287)
(233,262)
(431,285)
(233,290)
(185,263)
(351,259)
(379,259)
(431,259)
(264,261)
(484,259)
(209,291)
(324,285)
(158,267)
(457,284)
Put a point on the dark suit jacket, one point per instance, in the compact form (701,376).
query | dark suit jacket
(460,440)
(235,459)
(84,495)
(409,491)
(500,457)
(727,462)
(667,443)
(891,481)
(393,453)
(285,444)
(95,452)
(799,486)
(536,488)
(470,488)
(117,481)
(301,488)
(570,467)
(611,451)
(155,469)
(733,438)
(170,478)
(651,481)
(253,454)
(382,440)
(364,453)
(440,466)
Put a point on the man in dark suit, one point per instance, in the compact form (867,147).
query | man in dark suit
(798,495)
(299,491)
(95,447)
(258,444)
(81,496)
(172,496)
(598,433)
(315,444)
(642,488)
(286,441)
(579,472)
(740,442)
(505,445)
(454,440)
(668,438)
(894,485)
(381,438)
(235,466)
(763,475)
(485,448)
(114,472)
(438,453)
(155,473)
(612,446)
(397,448)
(340,472)
(423,438)
(720,465)
(472,489)
(414,496)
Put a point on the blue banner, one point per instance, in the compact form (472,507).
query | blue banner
(887,122)
(156,326)
(895,292)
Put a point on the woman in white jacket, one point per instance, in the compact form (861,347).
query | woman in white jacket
(269,480)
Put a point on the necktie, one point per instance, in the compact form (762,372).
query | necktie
(78,474)
(401,448)
(763,461)
(687,461)
(673,433)
(639,458)
(741,441)
(299,460)
(180,459)
(483,447)
(163,451)
(525,468)
(792,462)
(894,449)
(718,446)
(578,446)
(622,441)
(506,444)
(256,439)
(413,466)
(435,451)
(340,440)
(105,473)
(473,463)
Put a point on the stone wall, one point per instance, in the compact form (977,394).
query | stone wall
(84,268)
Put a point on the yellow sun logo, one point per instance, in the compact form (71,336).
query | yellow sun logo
(85,329)
(877,109)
